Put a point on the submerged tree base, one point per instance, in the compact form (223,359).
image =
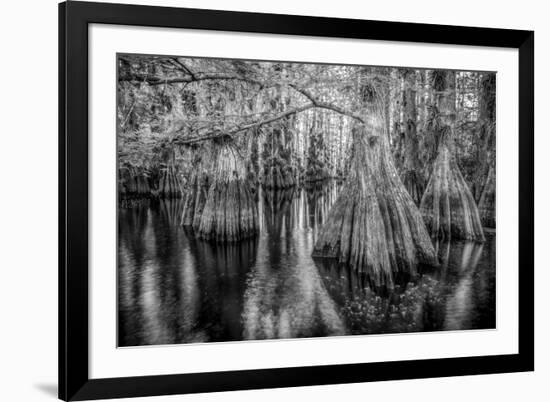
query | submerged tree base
(448,206)
(222,208)
(374,225)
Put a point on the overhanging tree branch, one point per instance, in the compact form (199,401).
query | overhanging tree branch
(229,134)
(152,80)
(324,105)
(190,76)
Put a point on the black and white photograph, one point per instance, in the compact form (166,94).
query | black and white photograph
(276,199)
(245,201)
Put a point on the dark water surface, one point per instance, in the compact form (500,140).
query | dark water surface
(175,288)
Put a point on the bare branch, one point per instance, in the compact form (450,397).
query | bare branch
(180,65)
(136,78)
(219,134)
(324,105)
(201,76)
(314,104)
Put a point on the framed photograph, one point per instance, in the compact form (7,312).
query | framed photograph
(257,201)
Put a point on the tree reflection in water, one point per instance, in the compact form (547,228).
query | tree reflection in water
(174,288)
(458,295)
(285,297)
(179,290)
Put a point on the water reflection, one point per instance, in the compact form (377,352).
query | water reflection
(174,288)
(285,297)
(458,295)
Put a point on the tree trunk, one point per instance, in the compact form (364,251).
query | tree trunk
(447,205)
(195,194)
(230,212)
(170,183)
(411,172)
(374,225)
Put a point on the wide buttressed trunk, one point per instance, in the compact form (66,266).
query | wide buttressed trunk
(374,225)
(230,212)
(448,207)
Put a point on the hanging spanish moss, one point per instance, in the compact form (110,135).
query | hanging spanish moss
(230,212)
(448,206)
(486,203)
(269,199)
(374,225)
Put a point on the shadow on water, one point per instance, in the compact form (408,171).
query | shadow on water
(174,288)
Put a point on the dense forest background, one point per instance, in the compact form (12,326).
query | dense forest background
(415,149)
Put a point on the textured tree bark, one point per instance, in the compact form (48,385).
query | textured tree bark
(195,195)
(447,205)
(170,184)
(411,172)
(374,225)
(230,212)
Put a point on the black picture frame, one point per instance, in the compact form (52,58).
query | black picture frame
(74,381)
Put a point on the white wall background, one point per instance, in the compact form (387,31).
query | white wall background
(28,201)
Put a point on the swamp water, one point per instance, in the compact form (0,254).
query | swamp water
(174,288)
